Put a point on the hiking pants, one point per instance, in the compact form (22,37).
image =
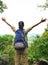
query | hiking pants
(21,57)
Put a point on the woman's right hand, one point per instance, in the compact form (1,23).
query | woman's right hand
(3,19)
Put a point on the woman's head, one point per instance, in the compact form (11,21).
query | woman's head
(21,24)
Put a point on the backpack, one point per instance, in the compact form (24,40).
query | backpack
(19,42)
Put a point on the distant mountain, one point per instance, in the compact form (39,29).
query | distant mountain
(0,34)
(31,37)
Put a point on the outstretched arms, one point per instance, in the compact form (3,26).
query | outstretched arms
(12,27)
(29,29)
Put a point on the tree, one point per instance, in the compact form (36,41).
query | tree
(7,49)
(6,40)
(45,5)
(2,6)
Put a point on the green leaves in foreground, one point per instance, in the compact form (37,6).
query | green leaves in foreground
(39,47)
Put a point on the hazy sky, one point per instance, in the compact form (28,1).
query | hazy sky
(25,10)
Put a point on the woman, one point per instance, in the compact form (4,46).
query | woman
(22,56)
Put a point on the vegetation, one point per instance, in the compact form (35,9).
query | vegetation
(6,49)
(38,48)
(2,6)
(45,6)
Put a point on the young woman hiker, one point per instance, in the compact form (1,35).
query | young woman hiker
(20,42)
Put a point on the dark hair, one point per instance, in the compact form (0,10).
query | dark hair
(21,24)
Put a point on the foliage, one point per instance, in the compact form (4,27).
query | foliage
(2,6)
(38,48)
(45,5)
(5,40)
(7,49)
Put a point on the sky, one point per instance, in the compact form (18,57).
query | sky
(23,10)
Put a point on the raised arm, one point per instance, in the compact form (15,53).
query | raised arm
(29,29)
(12,27)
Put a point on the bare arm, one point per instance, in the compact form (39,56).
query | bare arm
(12,27)
(29,29)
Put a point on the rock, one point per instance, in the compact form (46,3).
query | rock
(43,62)
(0,62)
